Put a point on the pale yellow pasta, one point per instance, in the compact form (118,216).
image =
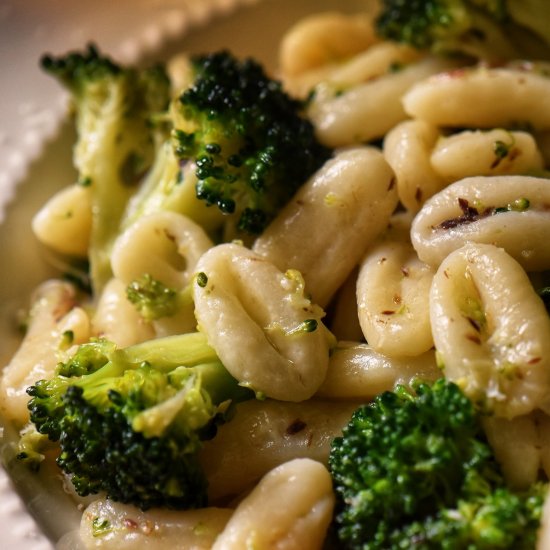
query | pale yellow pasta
(516,444)
(165,245)
(379,59)
(491,330)
(393,288)
(55,325)
(325,229)
(467,211)
(408,148)
(543,537)
(477,153)
(356,371)
(343,320)
(259,322)
(290,509)
(265,434)
(482,97)
(324,38)
(113,525)
(68,212)
(369,110)
(117,320)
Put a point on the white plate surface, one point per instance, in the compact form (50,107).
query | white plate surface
(35,143)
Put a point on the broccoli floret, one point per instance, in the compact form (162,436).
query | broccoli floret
(488,29)
(130,422)
(250,143)
(114,109)
(414,470)
(154,300)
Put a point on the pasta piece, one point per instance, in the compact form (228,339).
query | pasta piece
(64,223)
(166,246)
(477,153)
(55,324)
(113,525)
(492,330)
(265,434)
(356,371)
(516,444)
(393,288)
(324,38)
(483,97)
(266,333)
(369,110)
(117,320)
(325,229)
(290,509)
(408,148)
(344,320)
(379,59)
(543,539)
(508,211)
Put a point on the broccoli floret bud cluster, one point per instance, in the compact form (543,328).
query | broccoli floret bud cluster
(414,470)
(131,422)
(251,145)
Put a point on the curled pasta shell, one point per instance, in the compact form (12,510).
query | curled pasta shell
(370,109)
(266,333)
(54,325)
(324,38)
(117,320)
(508,211)
(325,229)
(517,447)
(64,223)
(492,330)
(393,288)
(130,528)
(265,434)
(165,245)
(482,97)
(408,148)
(290,509)
(356,371)
(477,153)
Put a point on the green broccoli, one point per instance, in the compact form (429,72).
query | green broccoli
(154,300)
(130,422)
(114,108)
(250,144)
(414,470)
(496,30)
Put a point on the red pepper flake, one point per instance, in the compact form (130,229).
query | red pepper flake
(295,427)
(474,338)
(534,360)
(388,312)
(130,523)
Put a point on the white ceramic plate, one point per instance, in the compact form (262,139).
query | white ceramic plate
(35,158)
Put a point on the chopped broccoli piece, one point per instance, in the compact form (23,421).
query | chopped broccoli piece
(154,300)
(415,471)
(114,109)
(131,421)
(251,146)
(489,29)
